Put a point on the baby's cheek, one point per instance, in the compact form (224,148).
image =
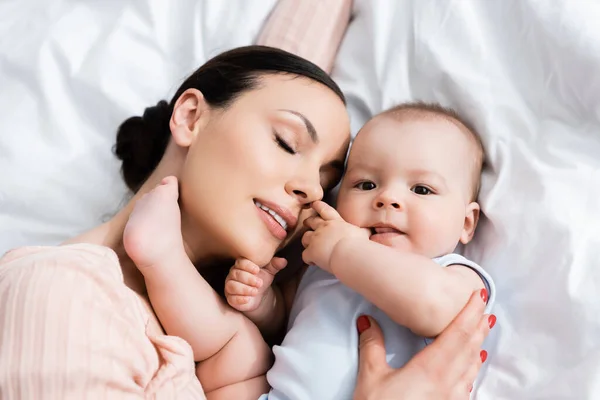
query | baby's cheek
(436,232)
(352,211)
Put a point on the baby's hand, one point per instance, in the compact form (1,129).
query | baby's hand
(328,228)
(247,284)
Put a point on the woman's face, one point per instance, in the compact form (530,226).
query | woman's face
(252,168)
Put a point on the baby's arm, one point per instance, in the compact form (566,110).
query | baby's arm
(250,289)
(411,289)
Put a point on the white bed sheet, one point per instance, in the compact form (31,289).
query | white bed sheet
(70,73)
(527,74)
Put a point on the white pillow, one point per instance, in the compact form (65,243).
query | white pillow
(526,73)
(70,73)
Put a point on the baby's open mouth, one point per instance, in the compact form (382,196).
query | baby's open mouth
(385,229)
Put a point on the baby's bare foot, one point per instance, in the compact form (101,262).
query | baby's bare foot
(152,236)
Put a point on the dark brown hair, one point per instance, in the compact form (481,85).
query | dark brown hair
(141,141)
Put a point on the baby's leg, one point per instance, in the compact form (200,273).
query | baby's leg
(152,236)
(232,354)
(238,370)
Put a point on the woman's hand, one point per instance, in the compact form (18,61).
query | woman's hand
(446,369)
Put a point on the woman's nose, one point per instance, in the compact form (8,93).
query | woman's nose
(305,191)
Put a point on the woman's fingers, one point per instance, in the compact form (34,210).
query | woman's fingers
(479,358)
(451,355)
(372,364)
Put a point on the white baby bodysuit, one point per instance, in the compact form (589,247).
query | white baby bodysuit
(318,358)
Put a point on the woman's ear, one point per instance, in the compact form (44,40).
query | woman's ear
(189,114)
(471,219)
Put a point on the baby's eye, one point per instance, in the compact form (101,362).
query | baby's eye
(365,185)
(421,190)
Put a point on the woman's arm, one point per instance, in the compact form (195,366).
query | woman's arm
(70,328)
(312,29)
(411,289)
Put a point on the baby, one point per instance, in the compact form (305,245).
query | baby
(406,200)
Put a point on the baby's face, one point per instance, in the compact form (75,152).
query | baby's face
(410,181)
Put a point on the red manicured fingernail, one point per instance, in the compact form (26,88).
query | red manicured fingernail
(483,355)
(362,324)
(471,389)
(492,321)
(484,295)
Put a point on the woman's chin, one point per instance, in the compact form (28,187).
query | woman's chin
(260,254)
(262,260)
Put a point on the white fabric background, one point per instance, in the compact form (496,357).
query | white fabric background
(525,72)
(70,73)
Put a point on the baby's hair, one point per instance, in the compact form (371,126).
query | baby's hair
(424,110)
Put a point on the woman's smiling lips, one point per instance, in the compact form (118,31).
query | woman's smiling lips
(278,220)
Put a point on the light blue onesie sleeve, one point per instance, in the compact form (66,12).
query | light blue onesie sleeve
(457,259)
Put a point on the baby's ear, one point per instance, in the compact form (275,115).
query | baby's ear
(471,219)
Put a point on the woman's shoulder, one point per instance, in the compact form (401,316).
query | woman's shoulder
(80,255)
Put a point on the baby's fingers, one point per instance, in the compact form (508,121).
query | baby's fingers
(238,302)
(326,212)
(313,222)
(276,265)
(234,288)
(246,265)
(306,238)
(243,277)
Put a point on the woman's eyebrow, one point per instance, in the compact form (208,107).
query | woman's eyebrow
(312,132)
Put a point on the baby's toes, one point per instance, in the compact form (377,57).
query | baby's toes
(168,188)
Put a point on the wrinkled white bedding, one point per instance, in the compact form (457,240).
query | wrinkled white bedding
(70,73)
(527,74)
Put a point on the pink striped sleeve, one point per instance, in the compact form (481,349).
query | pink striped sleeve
(70,329)
(312,29)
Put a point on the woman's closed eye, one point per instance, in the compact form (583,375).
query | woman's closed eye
(421,190)
(283,144)
(365,185)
